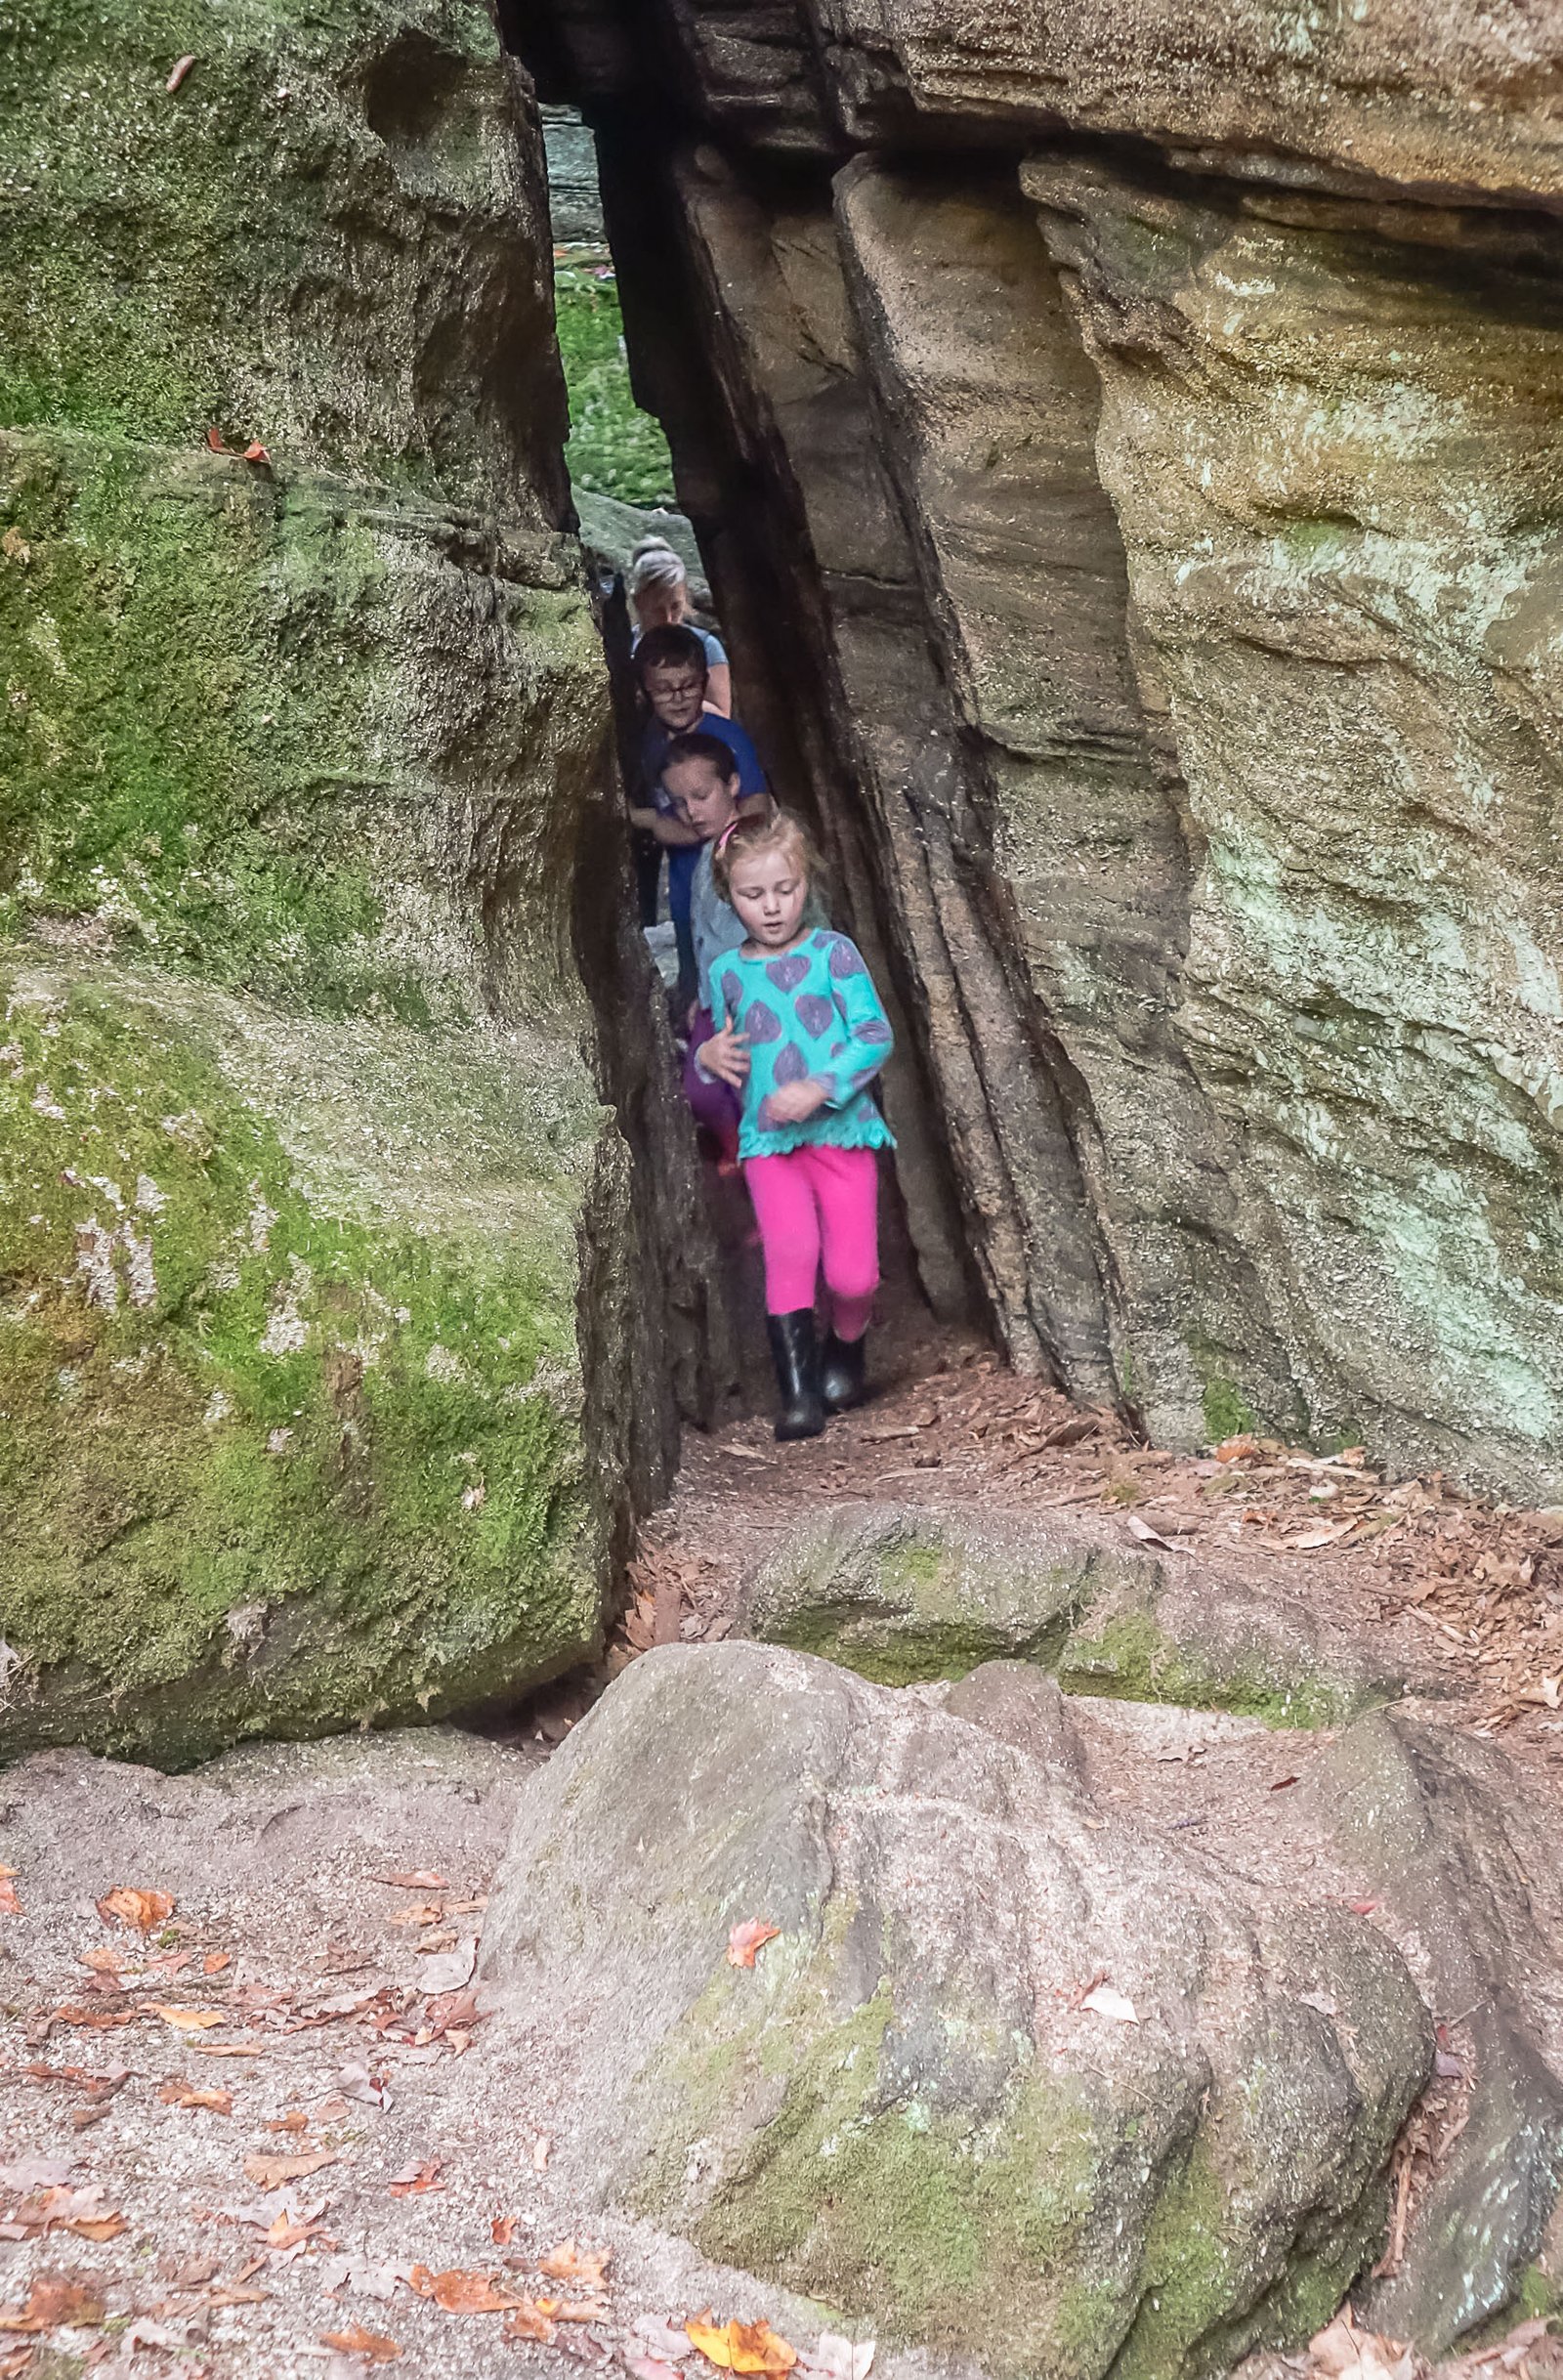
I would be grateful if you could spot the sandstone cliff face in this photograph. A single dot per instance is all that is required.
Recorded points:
(308, 1208)
(1156, 545)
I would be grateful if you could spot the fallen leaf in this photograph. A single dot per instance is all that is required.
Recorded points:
(66, 2298)
(568, 2263)
(1362, 1908)
(747, 1937)
(363, 2278)
(530, 2320)
(371, 2345)
(1342, 2351)
(187, 2095)
(667, 2341)
(741, 2346)
(1145, 1535)
(842, 2358)
(459, 2292)
(271, 2172)
(412, 2180)
(421, 1913)
(9, 1906)
(1104, 2001)
(295, 2120)
(38, 2173)
(255, 452)
(415, 1880)
(228, 2049)
(651, 2367)
(181, 66)
(215, 1961)
(130, 1905)
(1279, 1784)
(502, 2230)
(187, 2019)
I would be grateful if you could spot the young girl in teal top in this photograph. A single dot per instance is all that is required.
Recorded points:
(802, 1035)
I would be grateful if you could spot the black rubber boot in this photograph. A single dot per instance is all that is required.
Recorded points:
(843, 1369)
(798, 1374)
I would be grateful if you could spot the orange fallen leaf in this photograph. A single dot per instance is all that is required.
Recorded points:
(749, 1935)
(530, 2322)
(459, 2292)
(287, 2230)
(9, 1906)
(567, 2263)
(741, 2346)
(130, 1905)
(214, 440)
(61, 2298)
(187, 2019)
(255, 452)
(371, 2345)
(104, 1959)
(271, 2172)
(94, 2227)
(502, 2230)
(181, 66)
(186, 2095)
(412, 2180)
(421, 1913)
(215, 1961)
(98, 2019)
(295, 2120)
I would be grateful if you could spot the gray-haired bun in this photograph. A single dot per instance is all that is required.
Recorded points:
(655, 564)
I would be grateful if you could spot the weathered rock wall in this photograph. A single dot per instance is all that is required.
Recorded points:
(1159, 551)
(309, 1209)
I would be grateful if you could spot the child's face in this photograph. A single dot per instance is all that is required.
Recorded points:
(676, 692)
(768, 889)
(707, 800)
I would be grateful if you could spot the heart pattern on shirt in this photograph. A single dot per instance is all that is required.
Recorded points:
(815, 1012)
(787, 974)
(760, 1023)
(845, 958)
(791, 1065)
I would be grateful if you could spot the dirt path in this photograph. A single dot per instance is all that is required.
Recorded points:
(305, 1998)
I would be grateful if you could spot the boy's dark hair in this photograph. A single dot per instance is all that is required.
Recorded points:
(699, 745)
(671, 648)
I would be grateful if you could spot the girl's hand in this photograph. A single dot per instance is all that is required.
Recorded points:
(796, 1102)
(726, 1057)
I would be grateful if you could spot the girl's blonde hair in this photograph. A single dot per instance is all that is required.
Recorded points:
(777, 830)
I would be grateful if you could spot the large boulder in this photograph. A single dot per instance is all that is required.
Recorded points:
(911, 2106)
(920, 1592)
(314, 1413)
(1446, 1833)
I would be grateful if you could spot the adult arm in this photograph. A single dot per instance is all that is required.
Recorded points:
(670, 830)
(719, 689)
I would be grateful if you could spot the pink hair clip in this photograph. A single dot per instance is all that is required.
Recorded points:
(727, 834)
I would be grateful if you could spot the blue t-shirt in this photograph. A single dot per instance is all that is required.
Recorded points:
(656, 738)
(811, 1012)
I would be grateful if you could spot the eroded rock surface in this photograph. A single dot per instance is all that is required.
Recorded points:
(920, 1592)
(904, 2109)
(1144, 561)
(312, 1413)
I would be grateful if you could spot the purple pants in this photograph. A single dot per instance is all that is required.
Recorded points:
(713, 1104)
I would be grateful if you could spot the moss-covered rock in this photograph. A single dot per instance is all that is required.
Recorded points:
(904, 1592)
(904, 2110)
(299, 1149)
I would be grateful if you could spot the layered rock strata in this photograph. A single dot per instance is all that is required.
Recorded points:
(309, 1212)
(1143, 556)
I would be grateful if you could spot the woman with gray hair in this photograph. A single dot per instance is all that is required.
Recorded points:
(659, 588)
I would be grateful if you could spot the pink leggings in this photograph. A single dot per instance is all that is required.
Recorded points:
(815, 1201)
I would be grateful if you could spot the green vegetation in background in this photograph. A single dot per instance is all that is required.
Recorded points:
(615, 448)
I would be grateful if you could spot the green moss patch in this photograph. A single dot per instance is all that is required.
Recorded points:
(615, 448)
(276, 1458)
